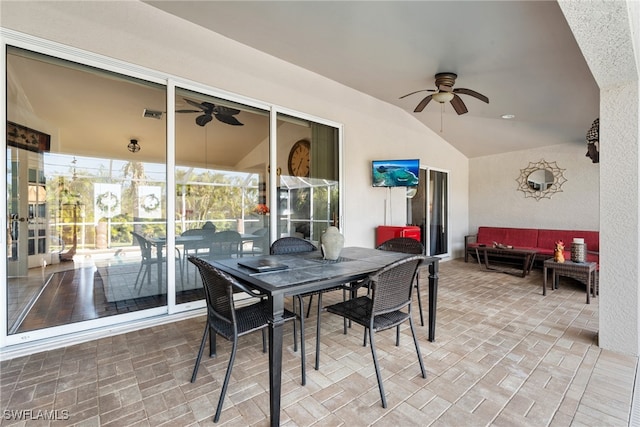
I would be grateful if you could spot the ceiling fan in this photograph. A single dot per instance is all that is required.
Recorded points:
(209, 111)
(445, 92)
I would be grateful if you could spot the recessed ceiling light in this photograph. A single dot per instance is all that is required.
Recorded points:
(508, 116)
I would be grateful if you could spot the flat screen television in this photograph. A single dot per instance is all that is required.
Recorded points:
(395, 173)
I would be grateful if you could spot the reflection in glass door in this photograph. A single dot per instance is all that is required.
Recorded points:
(221, 200)
(308, 178)
(76, 198)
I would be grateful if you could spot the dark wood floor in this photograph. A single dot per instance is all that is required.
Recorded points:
(77, 295)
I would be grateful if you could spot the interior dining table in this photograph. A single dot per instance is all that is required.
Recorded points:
(309, 272)
(161, 242)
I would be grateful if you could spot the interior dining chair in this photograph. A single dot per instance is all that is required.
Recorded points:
(388, 305)
(196, 247)
(292, 245)
(225, 244)
(407, 246)
(229, 321)
(149, 259)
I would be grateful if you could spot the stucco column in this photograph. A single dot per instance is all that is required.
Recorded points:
(604, 31)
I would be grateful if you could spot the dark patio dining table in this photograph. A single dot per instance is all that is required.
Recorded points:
(310, 272)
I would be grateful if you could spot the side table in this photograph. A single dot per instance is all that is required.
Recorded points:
(584, 272)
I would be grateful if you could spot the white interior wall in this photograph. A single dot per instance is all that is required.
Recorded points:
(494, 198)
(137, 33)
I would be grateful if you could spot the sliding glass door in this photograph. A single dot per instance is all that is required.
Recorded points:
(78, 191)
(113, 180)
(428, 208)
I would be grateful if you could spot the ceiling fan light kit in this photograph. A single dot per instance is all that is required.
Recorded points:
(446, 93)
(442, 97)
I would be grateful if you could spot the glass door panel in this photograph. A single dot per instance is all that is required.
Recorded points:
(427, 207)
(438, 212)
(222, 209)
(77, 192)
(308, 177)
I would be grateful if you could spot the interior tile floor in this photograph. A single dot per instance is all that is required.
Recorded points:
(504, 355)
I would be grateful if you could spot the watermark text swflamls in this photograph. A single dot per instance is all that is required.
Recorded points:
(35, 414)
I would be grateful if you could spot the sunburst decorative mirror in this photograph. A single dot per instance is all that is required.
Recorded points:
(541, 180)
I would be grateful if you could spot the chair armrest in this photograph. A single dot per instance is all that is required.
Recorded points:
(241, 287)
(471, 238)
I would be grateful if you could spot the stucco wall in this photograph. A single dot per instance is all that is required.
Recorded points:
(494, 198)
(142, 35)
(608, 34)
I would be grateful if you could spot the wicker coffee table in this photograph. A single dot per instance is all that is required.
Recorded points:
(524, 256)
(584, 272)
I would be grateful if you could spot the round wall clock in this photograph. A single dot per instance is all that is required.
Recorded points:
(299, 157)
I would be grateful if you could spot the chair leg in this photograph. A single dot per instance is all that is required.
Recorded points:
(135, 284)
(344, 319)
(264, 340)
(212, 342)
(419, 300)
(309, 306)
(227, 376)
(147, 274)
(415, 341)
(199, 358)
(375, 363)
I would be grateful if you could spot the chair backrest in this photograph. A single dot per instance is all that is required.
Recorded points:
(145, 245)
(225, 243)
(205, 233)
(218, 291)
(393, 284)
(403, 244)
(209, 226)
(291, 245)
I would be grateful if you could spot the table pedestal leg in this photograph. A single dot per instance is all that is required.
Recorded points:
(433, 298)
(275, 358)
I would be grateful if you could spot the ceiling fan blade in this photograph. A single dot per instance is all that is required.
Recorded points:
(458, 105)
(188, 111)
(226, 111)
(473, 93)
(417, 91)
(230, 120)
(203, 119)
(423, 104)
(194, 103)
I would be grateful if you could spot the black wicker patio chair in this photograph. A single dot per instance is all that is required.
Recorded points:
(407, 246)
(224, 319)
(293, 245)
(387, 306)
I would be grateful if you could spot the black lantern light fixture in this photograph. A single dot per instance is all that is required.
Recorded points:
(133, 146)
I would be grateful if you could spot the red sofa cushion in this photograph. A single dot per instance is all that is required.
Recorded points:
(516, 237)
(548, 238)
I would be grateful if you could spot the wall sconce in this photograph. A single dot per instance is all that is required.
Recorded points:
(133, 146)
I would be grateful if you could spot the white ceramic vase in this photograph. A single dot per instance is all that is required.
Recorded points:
(331, 243)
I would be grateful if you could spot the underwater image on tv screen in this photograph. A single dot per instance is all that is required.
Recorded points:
(395, 173)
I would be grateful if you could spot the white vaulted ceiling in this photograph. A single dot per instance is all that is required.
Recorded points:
(521, 54)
